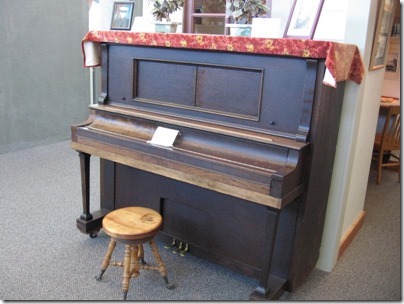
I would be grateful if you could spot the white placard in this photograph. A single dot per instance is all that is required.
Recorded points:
(329, 79)
(164, 137)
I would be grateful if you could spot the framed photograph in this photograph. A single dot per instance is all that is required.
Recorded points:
(122, 15)
(392, 71)
(303, 19)
(385, 18)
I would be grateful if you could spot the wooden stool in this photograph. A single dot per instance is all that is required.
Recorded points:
(132, 226)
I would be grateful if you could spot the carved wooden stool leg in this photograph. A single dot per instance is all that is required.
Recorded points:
(107, 258)
(141, 255)
(122, 227)
(126, 271)
(134, 262)
(161, 267)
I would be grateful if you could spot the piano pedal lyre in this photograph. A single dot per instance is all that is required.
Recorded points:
(172, 244)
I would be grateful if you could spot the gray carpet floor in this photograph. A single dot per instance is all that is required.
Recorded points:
(45, 257)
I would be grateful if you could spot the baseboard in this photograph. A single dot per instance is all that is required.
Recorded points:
(350, 234)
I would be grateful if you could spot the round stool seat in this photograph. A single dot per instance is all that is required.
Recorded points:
(132, 223)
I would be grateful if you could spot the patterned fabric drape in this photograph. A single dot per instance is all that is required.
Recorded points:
(343, 61)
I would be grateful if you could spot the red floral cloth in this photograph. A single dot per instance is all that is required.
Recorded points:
(343, 61)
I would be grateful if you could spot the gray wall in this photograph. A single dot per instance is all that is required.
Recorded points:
(43, 86)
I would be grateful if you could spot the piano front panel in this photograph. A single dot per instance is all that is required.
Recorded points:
(228, 89)
(201, 87)
(223, 226)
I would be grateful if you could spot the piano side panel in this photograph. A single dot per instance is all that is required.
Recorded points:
(323, 138)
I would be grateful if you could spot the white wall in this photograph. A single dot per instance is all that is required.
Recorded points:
(358, 125)
(280, 9)
(333, 13)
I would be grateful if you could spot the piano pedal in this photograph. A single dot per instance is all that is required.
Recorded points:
(178, 249)
(172, 244)
(185, 250)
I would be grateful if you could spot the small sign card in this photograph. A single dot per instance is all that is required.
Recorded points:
(164, 137)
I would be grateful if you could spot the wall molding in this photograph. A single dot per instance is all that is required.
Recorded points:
(350, 234)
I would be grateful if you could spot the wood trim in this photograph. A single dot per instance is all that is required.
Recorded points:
(202, 178)
(204, 125)
(350, 234)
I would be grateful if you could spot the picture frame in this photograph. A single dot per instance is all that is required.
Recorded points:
(303, 19)
(122, 15)
(381, 38)
(393, 63)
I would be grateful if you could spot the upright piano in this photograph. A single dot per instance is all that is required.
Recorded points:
(245, 178)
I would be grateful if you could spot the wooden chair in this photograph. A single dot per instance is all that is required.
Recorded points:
(387, 142)
(133, 226)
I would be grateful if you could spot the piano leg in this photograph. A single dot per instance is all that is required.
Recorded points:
(271, 287)
(88, 223)
(85, 185)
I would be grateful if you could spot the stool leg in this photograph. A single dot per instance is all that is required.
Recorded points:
(107, 258)
(161, 267)
(141, 255)
(126, 270)
(134, 262)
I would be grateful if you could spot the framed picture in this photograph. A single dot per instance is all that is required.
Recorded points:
(303, 19)
(385, 18)
(393, 60)
(122, 15)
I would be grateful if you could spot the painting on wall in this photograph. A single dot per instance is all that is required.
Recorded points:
(382, 34)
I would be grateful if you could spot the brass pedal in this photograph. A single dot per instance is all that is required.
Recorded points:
(179, 249)
(185, 250)
(172, 244)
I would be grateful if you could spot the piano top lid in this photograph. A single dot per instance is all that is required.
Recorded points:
(343, 61)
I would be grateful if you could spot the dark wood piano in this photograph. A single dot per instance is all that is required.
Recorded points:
(245, 181)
